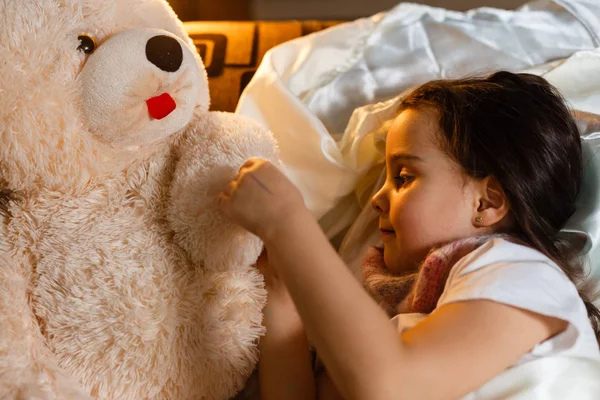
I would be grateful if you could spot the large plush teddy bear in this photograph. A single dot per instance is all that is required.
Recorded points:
(119, 276)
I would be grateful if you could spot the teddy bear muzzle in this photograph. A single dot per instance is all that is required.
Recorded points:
(139, 86)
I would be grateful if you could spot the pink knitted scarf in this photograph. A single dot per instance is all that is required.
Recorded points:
(416, 292)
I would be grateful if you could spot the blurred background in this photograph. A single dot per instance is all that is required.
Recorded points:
(245, 10)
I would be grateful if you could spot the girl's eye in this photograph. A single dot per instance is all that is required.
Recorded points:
(402, 180)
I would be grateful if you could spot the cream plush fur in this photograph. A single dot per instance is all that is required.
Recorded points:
(119, 277)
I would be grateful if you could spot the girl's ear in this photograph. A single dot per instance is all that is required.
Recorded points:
(492, 205)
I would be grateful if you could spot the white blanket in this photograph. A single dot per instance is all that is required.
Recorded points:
(550, 378)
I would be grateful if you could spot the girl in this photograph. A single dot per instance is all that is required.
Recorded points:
(481, 176)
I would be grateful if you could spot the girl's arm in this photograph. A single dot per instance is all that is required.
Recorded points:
(326, 390)
(455, 350)
(284, 366)
(353, 336)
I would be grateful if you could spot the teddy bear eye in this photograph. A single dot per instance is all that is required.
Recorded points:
(87, 44)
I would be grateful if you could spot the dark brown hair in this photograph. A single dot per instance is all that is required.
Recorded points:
(517, 129)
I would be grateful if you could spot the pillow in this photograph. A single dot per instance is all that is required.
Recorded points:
(585, 222)
(578, 80)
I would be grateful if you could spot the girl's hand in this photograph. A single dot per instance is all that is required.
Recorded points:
(261, 198)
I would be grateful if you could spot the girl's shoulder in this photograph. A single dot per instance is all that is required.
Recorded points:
(516, 275)
(501, 250)
(502, 268)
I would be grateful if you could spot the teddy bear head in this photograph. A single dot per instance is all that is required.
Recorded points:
(87, 85)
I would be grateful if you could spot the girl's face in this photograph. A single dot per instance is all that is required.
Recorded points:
(426, 199)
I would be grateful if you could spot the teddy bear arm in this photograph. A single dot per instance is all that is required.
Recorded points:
(210, 153)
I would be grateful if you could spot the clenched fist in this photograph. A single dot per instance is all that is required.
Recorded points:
(261, 198)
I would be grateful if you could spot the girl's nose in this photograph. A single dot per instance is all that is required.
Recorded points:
(379, 202)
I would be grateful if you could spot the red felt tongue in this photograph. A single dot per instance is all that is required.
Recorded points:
(161, 106)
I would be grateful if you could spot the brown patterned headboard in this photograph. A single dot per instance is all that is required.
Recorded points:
(233, 50)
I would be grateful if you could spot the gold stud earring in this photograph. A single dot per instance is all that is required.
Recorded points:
(478, 219)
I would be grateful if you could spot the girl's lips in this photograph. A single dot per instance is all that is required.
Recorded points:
(385, 233)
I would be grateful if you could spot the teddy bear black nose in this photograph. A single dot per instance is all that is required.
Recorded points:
(164, 52)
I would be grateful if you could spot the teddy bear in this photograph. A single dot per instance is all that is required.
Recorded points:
(120, 278)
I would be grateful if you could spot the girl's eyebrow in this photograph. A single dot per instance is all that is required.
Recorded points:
(405, 157)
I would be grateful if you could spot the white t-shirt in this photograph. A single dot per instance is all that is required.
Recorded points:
(522, 277)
